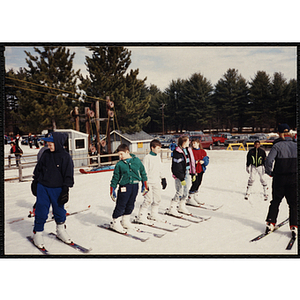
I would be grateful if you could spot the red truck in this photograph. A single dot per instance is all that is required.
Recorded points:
(219, 138)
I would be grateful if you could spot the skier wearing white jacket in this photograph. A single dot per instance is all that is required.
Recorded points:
(152, 164)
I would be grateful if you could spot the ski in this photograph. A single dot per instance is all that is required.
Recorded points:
(43, 250)
(16, 220)
(291, 243)
(206, 206)
(189, 218)
(107, 226)
(170, 229)
(72, 244)
(157, 235)
(49, 220)
(71, 214)
(259, 237)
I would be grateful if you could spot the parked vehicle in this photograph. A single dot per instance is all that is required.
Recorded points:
(226, 134)
(256, 137)
(166, 143)
(219, 138)
(206, 140)
(237, 139)
(271, 140)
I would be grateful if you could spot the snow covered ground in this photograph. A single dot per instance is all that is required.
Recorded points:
(227, 232)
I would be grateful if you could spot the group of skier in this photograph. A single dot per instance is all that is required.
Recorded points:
(54, 175)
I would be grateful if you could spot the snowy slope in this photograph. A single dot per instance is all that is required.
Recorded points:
(227, 232)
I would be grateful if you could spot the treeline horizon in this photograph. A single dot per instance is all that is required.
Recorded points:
(42, 95)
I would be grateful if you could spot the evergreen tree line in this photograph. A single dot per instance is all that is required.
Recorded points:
(42, 95)
(195, 104)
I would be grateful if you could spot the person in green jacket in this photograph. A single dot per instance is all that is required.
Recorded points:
(128, 172)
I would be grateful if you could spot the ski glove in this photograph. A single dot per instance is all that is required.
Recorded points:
(113, 195)
(64, 195)
(193, 178)
(183, 183)
(164, 183)
(145, 188)
(34, 187)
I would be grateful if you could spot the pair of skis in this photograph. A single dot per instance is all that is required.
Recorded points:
(72, 244)
(291, 241)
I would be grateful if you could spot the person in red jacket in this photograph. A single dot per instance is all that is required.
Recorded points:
(201, 160)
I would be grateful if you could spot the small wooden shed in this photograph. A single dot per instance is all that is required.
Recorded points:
(77, 145)
(137, 142)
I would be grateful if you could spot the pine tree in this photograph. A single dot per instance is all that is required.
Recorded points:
(260, 100)
(47, 92)
(280, 95)
(107, 77)
(174, 100)
(230, 100)
(196, 97)
(155, 109)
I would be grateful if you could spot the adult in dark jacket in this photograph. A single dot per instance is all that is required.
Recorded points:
(255, 164)
(284, 172)
(53, 176)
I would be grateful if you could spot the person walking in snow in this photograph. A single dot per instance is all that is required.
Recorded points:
(172, 147)
(53, 176)
(201, 161)
(128, 172)
(255, 164)
(17, 151)
(156, 181)
(183, 165)
(283, 155)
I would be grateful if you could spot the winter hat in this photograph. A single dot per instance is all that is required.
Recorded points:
(49, 138)
(283, 128)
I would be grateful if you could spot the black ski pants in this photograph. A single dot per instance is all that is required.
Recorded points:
(195, 185)
(283, 186)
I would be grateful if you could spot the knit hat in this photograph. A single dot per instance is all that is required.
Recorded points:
(283, 128)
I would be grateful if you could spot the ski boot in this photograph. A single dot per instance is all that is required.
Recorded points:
(294, 230)
(173, 209)
(126, 222)
(142, 217)
(192, 200)
(62, 233)
(38, 239)
(270, 227)
(117, 226)
(182, 208)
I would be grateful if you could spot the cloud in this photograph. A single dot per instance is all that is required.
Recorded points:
(162, 64)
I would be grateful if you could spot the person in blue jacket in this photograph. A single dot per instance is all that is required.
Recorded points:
(53, 176)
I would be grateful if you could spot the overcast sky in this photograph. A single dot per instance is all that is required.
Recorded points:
(161, 65)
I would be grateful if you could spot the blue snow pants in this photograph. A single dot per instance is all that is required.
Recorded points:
(125, 200)
(45, 197)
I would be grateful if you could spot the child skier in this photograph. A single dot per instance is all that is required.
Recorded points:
(201, 160)
(53, 176)
(183, 165)
(152, 164)
(128, 172)
(255, 164)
